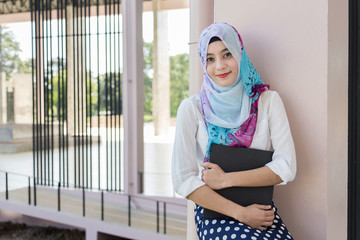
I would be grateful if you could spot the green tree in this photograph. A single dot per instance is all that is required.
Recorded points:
(179, 84)
(10, 54)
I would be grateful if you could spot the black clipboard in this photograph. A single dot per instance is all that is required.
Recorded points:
(233, 159)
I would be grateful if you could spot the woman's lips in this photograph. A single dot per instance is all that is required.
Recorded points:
(223, 75)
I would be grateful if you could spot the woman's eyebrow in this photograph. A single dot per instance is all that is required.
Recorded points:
(224, 50)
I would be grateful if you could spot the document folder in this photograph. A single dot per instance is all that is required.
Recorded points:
(233, 159)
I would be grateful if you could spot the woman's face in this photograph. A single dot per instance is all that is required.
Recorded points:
(220, 64)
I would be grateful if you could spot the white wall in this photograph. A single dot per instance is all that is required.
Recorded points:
(300, 49)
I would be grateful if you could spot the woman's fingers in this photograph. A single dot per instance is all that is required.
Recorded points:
(208, 165)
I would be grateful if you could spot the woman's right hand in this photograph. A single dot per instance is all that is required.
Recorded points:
(257, 216)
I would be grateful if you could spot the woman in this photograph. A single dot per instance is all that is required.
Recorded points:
(233, 108)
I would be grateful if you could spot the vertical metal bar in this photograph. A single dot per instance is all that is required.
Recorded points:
(63, 95)
(164, 217)
(58, 196)
(29, 191)
(52, 97)
(87, 70)
(61, 90)
(46, 95)
(102, 205)
(90, 95)
(115, 98)
(111, 97)
(43, 103)
(119, 94)
(6, 186)
(33, 89)
(46, 88)
(74, 89)
(353, 122)
(79, 74)
(66, 99)
(49, 87)
(99, 86)
(83, 200)
(129, 211)
(106, 98)
(157, 217)
(81, 85)
(34, 192)
(37, 83)
(41, 76)
(59, 93)
(120, 111)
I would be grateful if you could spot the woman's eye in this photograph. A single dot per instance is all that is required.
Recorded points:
(210, 59)
(227, 54)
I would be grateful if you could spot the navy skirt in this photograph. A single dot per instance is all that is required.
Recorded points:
(228, 228)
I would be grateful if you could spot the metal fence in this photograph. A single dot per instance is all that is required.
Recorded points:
(115, 207)
(76, 48)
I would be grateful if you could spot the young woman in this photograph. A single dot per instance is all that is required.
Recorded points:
(233, 108)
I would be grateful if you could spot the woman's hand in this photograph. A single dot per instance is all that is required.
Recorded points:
(214, 176)
(257, 216)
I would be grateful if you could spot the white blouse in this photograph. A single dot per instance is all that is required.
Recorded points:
(272, 132)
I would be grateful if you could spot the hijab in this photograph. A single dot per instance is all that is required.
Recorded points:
(230, 112)
(227, 106)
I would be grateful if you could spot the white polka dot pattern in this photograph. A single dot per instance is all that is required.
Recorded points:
(226, 229)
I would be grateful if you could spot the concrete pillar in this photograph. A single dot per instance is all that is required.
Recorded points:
(70, 70)
(133, 95)
(76, 92)
(161, 66)
(3, 108)
(91, 234)
(23, 111)
(201, 16)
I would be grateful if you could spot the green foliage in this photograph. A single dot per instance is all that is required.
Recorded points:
(10, 54)
(98, 99)
(179, 84)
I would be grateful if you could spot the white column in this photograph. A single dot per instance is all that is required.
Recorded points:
(201, 16)
(161, 66)
(23, 111)
(133, 94)
(70, 70)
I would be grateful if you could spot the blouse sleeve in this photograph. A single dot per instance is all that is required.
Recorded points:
(185, 168)
(284, 158)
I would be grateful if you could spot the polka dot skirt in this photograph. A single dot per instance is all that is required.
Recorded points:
(228, 228)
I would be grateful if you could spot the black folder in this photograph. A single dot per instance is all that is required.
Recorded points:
(233, 159)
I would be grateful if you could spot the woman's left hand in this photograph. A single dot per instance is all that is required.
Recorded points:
(213, 176)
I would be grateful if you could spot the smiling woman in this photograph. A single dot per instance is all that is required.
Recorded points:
(236, 109)
(221, 65)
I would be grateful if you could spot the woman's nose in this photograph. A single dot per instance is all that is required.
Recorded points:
(220, 64)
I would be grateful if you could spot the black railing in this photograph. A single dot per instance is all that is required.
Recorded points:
(76, 87)
(82, 199)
